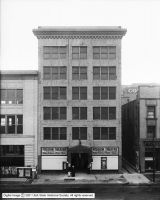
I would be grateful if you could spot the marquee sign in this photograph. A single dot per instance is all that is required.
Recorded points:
(110, 150)
(47, 151)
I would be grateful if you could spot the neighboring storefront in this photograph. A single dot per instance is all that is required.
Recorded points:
(12, 156)
(152, 155)
(105, 158)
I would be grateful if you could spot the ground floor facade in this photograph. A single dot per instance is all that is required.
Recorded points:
(83, 158)
(149, 158)
(16, 154)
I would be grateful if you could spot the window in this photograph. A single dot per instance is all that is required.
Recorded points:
(54, 93)
(3, 124)
(104, 113)
(104, 73)
(55, 73)
(79, 93)
(54, 113)
(11, 96)
(104, 93)
(79, 133)
(151, 130)
(79, 113)
(79, 73)
(55, 133)
(79, 52)
(151, 112)
(11, 124)
(104, 52)
(54, 52)
(104, 133)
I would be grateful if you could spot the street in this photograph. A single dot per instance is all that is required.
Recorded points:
(102, 191)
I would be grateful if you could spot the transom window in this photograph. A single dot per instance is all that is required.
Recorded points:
(79, 133)
(54, 113)
(79, 52)
(104, 113)
(11, 124)
(11, 96)
(54, 52)
(79, 93)
(55, 133)
(104, 93)
(55, 93)
(79, 113)
(104, 73)
(104, 52)
(55, 73)
(79, 73)
(104, 133)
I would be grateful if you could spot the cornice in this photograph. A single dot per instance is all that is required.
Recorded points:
(79, 34)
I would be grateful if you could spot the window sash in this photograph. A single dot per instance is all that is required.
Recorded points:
(75, 133)
(96, 73)
(96, 113)
(96, 133)
(75, 113)
(46, 73)
(47, 113)
(96, 93)
(83, 93)
(104, 93)
(112, 92)
(83, 133)
(112, 113)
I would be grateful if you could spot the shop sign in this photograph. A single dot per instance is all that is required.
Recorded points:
(46, 151)
(111, 150)
(150, 144)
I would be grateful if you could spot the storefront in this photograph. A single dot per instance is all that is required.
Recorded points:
(12, 156)
(152, 155)
(105, 158)
(53, 158)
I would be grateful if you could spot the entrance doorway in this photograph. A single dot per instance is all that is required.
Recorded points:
(80, 161)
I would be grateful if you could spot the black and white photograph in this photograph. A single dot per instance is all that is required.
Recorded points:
(80, 99)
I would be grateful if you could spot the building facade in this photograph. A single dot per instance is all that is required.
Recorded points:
(18, 135)
(79, 101)
(141, 129)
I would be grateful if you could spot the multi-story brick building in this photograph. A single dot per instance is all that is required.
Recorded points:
(18, 134)
(141, 129)
(79, 115)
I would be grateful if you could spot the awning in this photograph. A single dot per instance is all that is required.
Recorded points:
(79, 149)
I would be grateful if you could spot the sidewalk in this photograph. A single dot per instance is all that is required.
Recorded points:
(83, 178)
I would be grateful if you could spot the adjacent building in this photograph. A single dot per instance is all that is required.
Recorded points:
(141, 129)
(18, 116)
(79, 97)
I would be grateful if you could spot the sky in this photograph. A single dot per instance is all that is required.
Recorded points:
(140, 46)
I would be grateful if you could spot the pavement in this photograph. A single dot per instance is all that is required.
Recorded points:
(83, 178)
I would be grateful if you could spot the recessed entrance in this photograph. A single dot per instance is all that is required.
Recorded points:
(80, 161)
(80, 156)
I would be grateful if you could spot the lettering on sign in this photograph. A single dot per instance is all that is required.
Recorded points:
(105, 150)
(150, 143)
(54, 151)
(132, 90)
